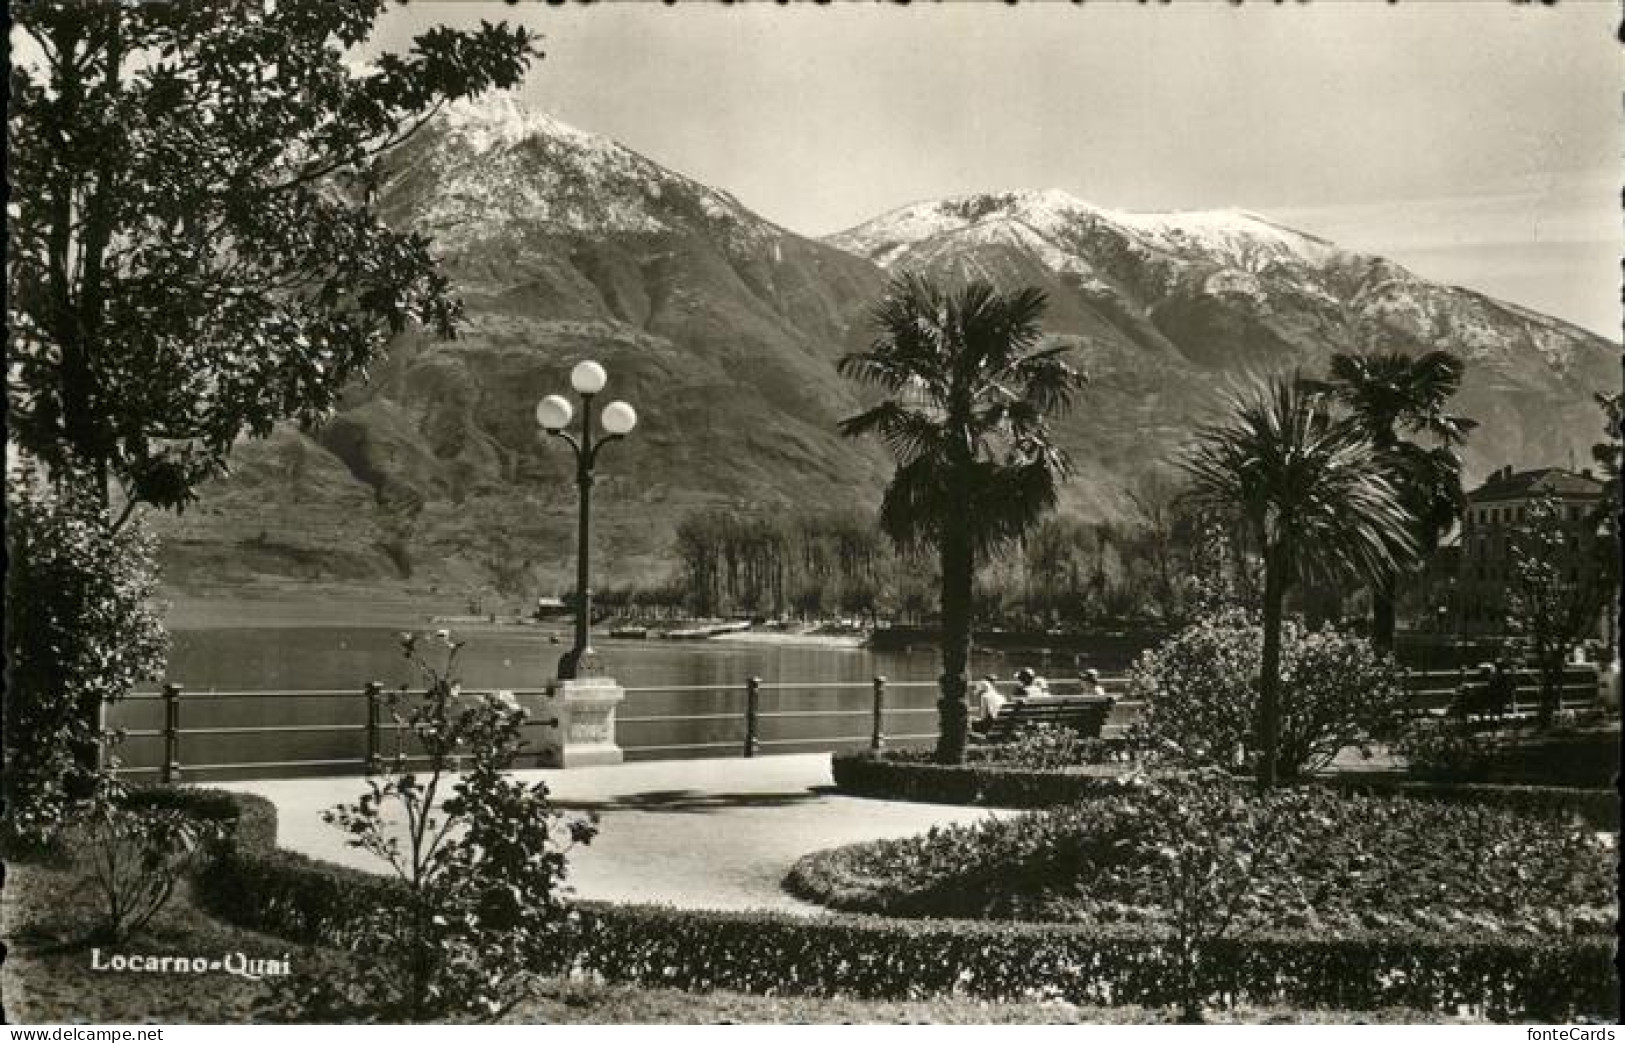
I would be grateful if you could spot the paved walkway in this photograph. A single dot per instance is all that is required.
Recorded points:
(699, 834)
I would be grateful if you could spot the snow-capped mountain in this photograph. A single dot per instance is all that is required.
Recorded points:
(493, 164)
(719, 326)
(723, 329)
(1226, 290)
(1048, 221)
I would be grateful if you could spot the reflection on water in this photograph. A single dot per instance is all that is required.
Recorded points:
(344, 659)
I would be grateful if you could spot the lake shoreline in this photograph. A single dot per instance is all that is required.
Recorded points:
(321, 609)
(772, 637)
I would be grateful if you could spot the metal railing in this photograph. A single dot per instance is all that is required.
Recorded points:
(1431, 692)
(177, 737)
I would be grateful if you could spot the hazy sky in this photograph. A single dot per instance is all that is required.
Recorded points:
(1478, 143)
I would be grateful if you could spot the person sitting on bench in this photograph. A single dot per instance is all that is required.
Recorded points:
(991, 702)
(1028, 686)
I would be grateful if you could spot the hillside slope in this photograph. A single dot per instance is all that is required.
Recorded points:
(722, 328)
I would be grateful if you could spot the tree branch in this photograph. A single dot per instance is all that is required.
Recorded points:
(316, 174)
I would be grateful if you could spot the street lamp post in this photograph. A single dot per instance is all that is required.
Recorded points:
(554, 414)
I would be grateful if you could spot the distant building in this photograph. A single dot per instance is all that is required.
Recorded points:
(546, 607)
(1469, 580)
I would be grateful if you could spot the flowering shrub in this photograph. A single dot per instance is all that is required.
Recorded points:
(1449, 750)
(1200, 858)
(1201, 693)
(1047, 748)
(481, 856)
(1328, 861)
(81, 630)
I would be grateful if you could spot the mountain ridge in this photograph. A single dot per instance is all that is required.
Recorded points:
(723, 327)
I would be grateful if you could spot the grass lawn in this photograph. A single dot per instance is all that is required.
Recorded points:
(49, 915)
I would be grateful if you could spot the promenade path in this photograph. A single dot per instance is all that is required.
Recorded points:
(698, 834)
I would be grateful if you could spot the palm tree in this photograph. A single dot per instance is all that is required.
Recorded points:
(1386, 393)
(970, 390)
(1309, 491)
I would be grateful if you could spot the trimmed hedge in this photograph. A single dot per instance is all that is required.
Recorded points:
(904, 775)
(875, 958)
(1597, 807)
(263, 888)
(909, 775)
(249, 820)
(1578, 758)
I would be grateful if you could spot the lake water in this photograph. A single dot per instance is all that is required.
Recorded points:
(830, 687)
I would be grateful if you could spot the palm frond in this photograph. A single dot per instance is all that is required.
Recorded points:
(908, 433)
(966, 420)
(1307, 484)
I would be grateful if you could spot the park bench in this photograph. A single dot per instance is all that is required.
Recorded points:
(1085, 715)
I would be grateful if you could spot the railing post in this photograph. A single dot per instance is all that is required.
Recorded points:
(373, 691)
(753, 706)
(171, 771)
(877, 738)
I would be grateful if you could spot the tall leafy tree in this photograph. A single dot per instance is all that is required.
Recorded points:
(80, 628)
(192, 253)
(1555, 590)
(970, 390)
(1399, 402)
(1312, 494)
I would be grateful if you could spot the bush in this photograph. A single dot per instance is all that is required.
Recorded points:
(135, 856)
(1597, 808)
(1047, 748)
(1201, 693)
(1330, 860)
(481, 857)
(1502, 978)
(1457, 751)
(1446, 749)
(81, 630)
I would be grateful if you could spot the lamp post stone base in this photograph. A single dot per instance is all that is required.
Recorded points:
(585, 736)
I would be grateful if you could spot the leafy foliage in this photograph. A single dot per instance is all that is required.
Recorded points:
(136, 855)
(907, 774)
(1385, 393)
(1499, 976)
(1172, 852)
(81, 631)
(1465, 751)
(1045, 748)
(967, 422)
(192, 251)
(1555, 590)
(1198, 859)
(1450, 749)
(1309, 486)
(1201, 695)
(481, 857)
(1310, 492)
